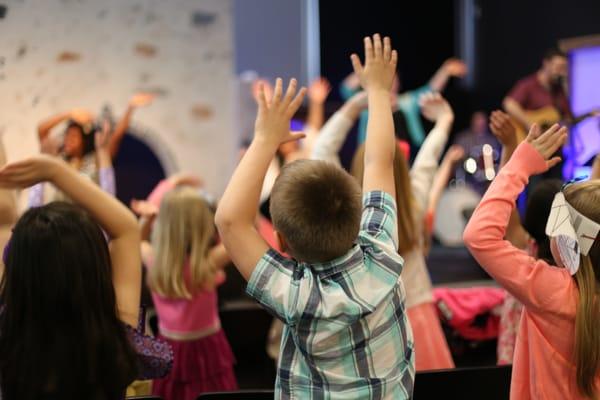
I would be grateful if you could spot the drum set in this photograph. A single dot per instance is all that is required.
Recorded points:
(464, 192)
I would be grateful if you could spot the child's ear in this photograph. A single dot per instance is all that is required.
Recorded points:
(281, 242)
(556, 253)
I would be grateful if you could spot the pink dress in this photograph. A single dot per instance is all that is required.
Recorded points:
(203, 359)
(543, 365)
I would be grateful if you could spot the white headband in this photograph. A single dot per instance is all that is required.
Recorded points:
(574, 232)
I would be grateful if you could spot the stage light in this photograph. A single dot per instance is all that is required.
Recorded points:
(470, 165)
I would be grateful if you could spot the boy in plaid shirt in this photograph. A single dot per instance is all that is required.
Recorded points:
(340, 296)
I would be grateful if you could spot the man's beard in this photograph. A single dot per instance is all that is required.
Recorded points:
(556, 83)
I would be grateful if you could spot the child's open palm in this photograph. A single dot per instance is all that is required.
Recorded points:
(434, 107)
(380, 64)
(547, 143)
(273, 118)
(502, 127)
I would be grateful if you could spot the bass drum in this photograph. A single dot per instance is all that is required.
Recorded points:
(453, 212)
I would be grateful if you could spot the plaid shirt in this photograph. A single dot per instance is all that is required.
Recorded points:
(346, 334)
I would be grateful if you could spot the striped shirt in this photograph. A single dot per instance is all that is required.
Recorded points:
(346, 334)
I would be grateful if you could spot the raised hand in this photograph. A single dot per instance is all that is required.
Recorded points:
(547, 143)
(141, 99)
(503, 128)
(143, 208)
(102, 136)
(267, 87)
(455, 67)
(28, 172)
(454, 154)
(273, 118)
(319, 90)
(434, 107)
(380, 64)
(81, 116)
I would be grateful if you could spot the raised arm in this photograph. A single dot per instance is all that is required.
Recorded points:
(376, 77)
(238, 207)
(138, 100)
(531, 281)
(111, 215)
(8, 201)
(106, 172)
(147, 212)
(334, 132)
(317, 94)
(454, 154)
(8, 208)
(79, 115)
(435, 109)
(452, 67)
(349, 86)
(502, 127)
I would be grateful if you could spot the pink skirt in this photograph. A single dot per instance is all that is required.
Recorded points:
(431, 348)
(199, 366)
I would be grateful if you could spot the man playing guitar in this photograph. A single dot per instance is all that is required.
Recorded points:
(541, 98)
(544, 88)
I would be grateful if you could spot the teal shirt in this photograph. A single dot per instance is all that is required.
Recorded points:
(408, 103)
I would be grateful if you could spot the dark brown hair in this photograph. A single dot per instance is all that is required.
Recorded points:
(316, 206)
(60, 333)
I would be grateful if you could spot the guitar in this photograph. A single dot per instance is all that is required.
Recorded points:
(546, 117)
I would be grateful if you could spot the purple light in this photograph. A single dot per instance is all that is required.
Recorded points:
(584, 74)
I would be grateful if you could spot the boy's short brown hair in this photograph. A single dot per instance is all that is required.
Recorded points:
(317, 207)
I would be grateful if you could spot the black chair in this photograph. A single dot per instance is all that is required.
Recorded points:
(490, 383)
(240, 395)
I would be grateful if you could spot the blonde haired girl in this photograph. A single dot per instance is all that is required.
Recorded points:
(185, 267)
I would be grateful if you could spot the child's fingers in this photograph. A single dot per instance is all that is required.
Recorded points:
(549, 134)
(293, 136)
(387, 48)
(377, 45)
(534, 133)
(278, 91)
(559, 140)
(495, 127)
(548, 145)
(261, 98)
(356, 65)
(394, 58)
(498, 117)
(289, 94)
(549, 139)
(553, 161)
(368, 49)
(296, 103)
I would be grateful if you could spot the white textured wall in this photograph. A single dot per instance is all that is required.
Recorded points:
(60, 54)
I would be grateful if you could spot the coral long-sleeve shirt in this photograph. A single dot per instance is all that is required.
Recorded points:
(543, 366)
